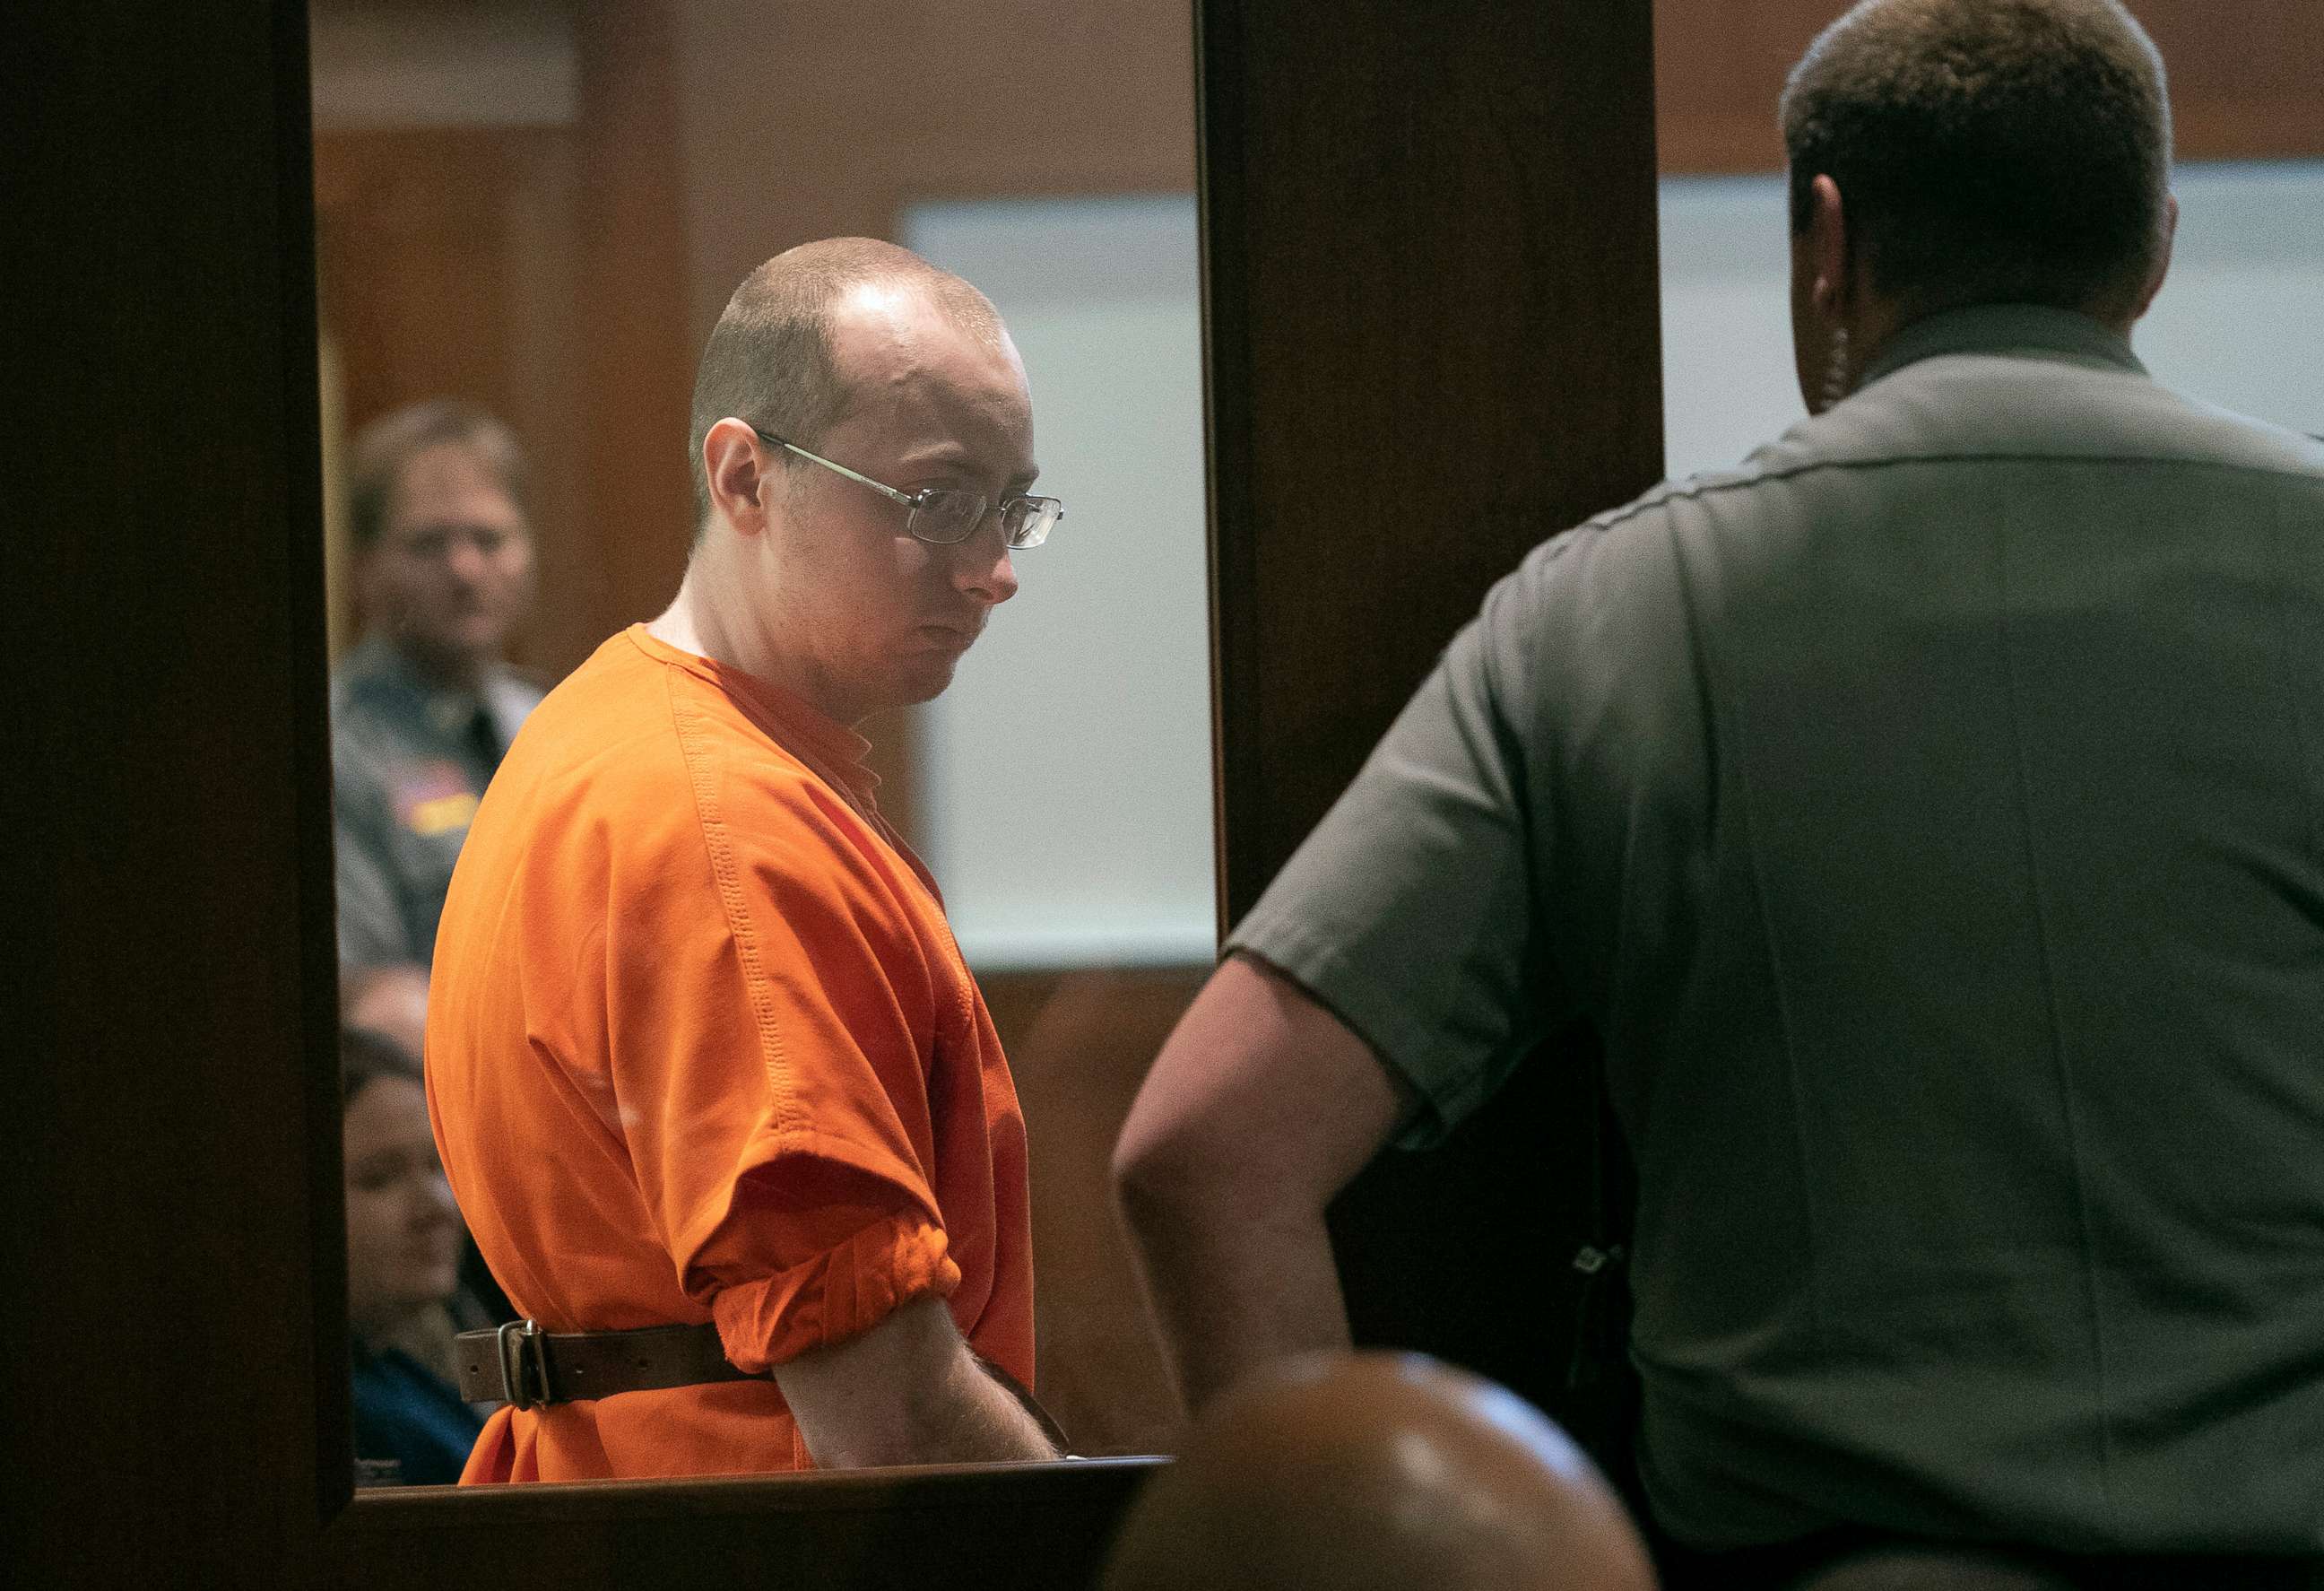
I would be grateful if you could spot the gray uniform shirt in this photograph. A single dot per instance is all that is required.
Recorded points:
(1931, 817)
(409, 760)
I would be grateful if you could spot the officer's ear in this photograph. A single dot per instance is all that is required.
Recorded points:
(2161, 255)
(1831, 259)
(736, 464)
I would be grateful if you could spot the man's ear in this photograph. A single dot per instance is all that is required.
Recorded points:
(1828, 250)
(735, 465)
(2162, 254)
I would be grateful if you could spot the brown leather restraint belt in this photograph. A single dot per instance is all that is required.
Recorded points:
(525, 1367)
(520, 1365)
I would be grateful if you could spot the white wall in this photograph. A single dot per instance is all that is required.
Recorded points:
(2240, 321)
(1065, 780)
(1063, 798)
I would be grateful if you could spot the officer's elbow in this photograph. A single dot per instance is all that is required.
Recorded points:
(1172, 1172)
(1139, 1174)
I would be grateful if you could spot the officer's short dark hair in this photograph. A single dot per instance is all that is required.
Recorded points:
(383, 447)
(1988, 151)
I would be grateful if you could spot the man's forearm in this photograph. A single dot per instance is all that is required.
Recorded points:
(907, 1391)
(1233, 1288)
(974, 1418)
(962, 1417)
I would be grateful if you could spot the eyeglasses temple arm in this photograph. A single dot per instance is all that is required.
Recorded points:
(903, 497)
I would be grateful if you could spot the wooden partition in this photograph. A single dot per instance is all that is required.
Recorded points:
(172, 1177)
(1433, 330)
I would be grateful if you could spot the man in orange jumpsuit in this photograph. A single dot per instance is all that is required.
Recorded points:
(719, 1098)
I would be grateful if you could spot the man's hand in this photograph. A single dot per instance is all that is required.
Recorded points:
(907, 1391)
(1261, 1106)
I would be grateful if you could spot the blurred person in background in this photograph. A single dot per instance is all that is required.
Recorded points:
(392, 1000)
(1377, 1472)
(403, 1250)
(424, 705)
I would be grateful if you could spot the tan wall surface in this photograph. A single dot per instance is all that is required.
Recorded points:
(826, 117)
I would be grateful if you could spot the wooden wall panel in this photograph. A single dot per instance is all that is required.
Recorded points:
(637, 359)
(172, 1177)
(1079, 1043)
(451, 262)
(2246, 76)
(826, 117)
(1024, 1527)
(541, 271)
(1433, 340)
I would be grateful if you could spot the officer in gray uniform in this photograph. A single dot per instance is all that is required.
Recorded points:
(423, 708)
(1929, 817)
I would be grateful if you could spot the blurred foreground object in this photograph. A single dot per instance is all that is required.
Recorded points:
(1354, 1471)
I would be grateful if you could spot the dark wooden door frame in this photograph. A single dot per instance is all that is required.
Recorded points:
(1434, 338)
(1433, 331)
(175, 1408)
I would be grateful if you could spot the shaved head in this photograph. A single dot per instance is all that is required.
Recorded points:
(1391, 1472)
(771, 359)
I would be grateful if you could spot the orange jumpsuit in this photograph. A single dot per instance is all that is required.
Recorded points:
(701, 1047)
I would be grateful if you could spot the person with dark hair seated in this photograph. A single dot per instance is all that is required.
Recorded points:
(403, 1256)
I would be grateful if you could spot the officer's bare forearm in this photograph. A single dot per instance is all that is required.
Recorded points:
(1231, 1289)
(1260, 1107)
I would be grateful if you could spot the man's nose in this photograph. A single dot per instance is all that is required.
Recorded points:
(982, 568)
(466, 559)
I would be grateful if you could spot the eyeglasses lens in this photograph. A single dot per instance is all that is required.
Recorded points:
(1025, 521)
(946, 516)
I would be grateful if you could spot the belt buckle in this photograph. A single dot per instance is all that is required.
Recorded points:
(521, 1344)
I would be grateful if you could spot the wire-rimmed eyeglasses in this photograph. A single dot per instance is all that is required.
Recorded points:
(945, 515)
